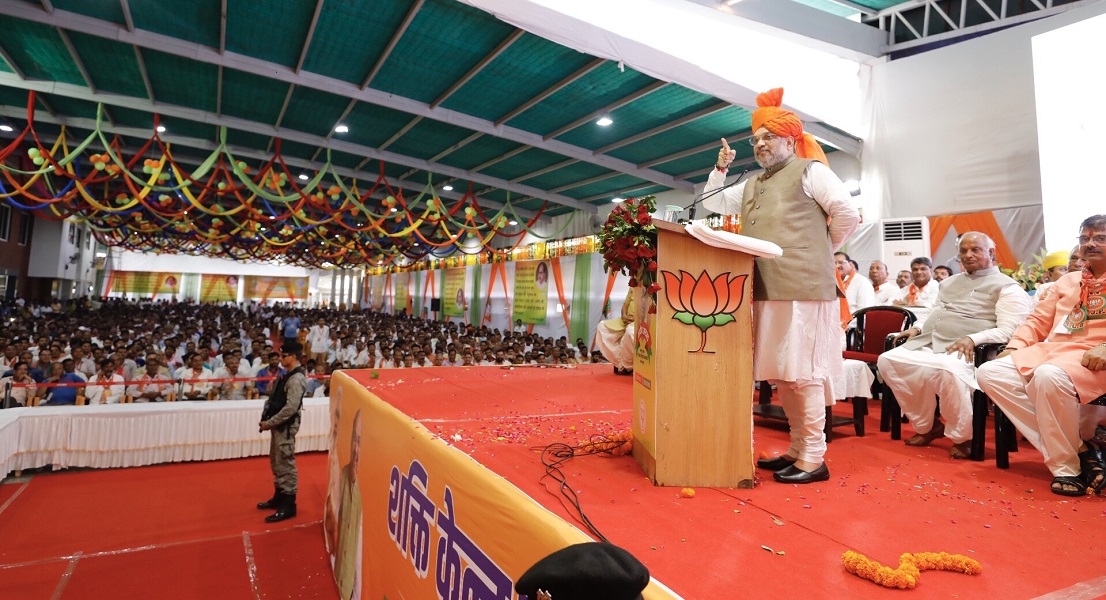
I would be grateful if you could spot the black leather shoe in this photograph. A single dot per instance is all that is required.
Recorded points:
(794, 474)
(774, 464)
(271, 503)
(287, 509)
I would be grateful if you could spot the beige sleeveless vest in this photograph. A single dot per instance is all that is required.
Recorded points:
(776, 209)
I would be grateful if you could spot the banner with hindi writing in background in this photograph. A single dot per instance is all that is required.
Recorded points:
(402, 291)
(282, 288)
(145, 282)
(426, 520)
(453, 293)
(218, 288)
(531, 291)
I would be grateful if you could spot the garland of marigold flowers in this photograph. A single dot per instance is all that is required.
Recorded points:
(906, 576)
(616, 445)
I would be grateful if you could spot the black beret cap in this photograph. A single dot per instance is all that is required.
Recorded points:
(592, 570)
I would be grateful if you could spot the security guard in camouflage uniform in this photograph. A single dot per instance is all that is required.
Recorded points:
(281, 416)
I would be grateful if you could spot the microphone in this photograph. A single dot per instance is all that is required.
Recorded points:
(691, 207)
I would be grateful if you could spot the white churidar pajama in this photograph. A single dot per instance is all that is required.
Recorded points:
(919, 376)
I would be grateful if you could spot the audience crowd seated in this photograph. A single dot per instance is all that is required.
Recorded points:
(142, 350)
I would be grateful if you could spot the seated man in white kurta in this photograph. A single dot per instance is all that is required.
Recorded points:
(978, 306)
(615, 338)
(921, 294)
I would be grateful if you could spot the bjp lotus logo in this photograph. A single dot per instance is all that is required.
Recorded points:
(704, 302)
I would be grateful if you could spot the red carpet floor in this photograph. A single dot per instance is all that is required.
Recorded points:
(181, 531)
(883, 499)
(190, 530)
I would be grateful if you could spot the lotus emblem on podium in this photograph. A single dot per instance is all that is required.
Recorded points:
(702, 301)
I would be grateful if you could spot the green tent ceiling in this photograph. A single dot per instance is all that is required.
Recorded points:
(438, 90)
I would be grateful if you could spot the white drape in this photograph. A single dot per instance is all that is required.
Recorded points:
(131, 435)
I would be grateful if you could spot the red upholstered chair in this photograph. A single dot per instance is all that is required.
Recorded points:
(873, 325)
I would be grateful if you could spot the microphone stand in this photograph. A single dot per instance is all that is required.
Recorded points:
(691, 207)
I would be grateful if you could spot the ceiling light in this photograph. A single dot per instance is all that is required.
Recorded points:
(616, 199)
(448, 188)
(303, 177)
(512, 222)
(394, 209)
(604, 121)
(341, 129)
(730, 2)
(161, 129)
(6, 127)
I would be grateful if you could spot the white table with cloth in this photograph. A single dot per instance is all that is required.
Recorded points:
(132, 435)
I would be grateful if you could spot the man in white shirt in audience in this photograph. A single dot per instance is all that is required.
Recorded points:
(363, 358)
(920, 296)
(318, 340)
(154, 382)
(858, 290)
(885, 289)
(233, 390)
(105, 387)
(195, 377)
(903, 279)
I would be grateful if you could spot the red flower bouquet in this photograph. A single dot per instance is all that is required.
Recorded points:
(628, 242)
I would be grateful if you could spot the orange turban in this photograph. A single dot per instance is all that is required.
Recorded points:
(785, 123)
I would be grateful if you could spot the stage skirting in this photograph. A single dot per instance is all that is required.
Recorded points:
(434, 522)
(131, 435)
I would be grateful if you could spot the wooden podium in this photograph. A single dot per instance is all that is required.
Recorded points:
(693, 389)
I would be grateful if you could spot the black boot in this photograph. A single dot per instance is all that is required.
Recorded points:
(271, 503)
(287, 509)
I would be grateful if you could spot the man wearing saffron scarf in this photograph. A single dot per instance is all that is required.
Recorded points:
(798, 203)
(980, 305)
(920, 296)
(859, 292)
(1054, 364)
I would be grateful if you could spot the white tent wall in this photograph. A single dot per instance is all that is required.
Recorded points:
(1070, 125)
(183, 263)
(954, 129)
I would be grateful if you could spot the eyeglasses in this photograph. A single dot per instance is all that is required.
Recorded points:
(767, 139)
(1099, 240)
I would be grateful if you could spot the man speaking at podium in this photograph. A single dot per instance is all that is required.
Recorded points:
(798, 203)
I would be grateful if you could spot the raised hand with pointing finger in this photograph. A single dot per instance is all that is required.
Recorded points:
(725, 155)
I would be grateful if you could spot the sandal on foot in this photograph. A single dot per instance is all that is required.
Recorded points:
(1061, 484)
(1091, 469)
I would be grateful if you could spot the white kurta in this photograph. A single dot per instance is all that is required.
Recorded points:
(924, 300)
(797, 343)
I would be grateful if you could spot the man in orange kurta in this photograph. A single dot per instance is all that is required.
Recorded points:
(1054, 363)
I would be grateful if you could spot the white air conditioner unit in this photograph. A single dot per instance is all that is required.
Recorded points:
(903, 240)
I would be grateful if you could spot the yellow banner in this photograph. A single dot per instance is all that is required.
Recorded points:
(145, 282)
(644, 423)
(402, 292)
(291, 288)
(453, 293)
(531, 292)
(218, 288)
(426, 520)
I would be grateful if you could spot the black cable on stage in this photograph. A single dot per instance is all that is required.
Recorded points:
(557, 454)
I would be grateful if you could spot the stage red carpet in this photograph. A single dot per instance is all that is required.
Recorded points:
(181, 531)
(882, 500)
(190, 530)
